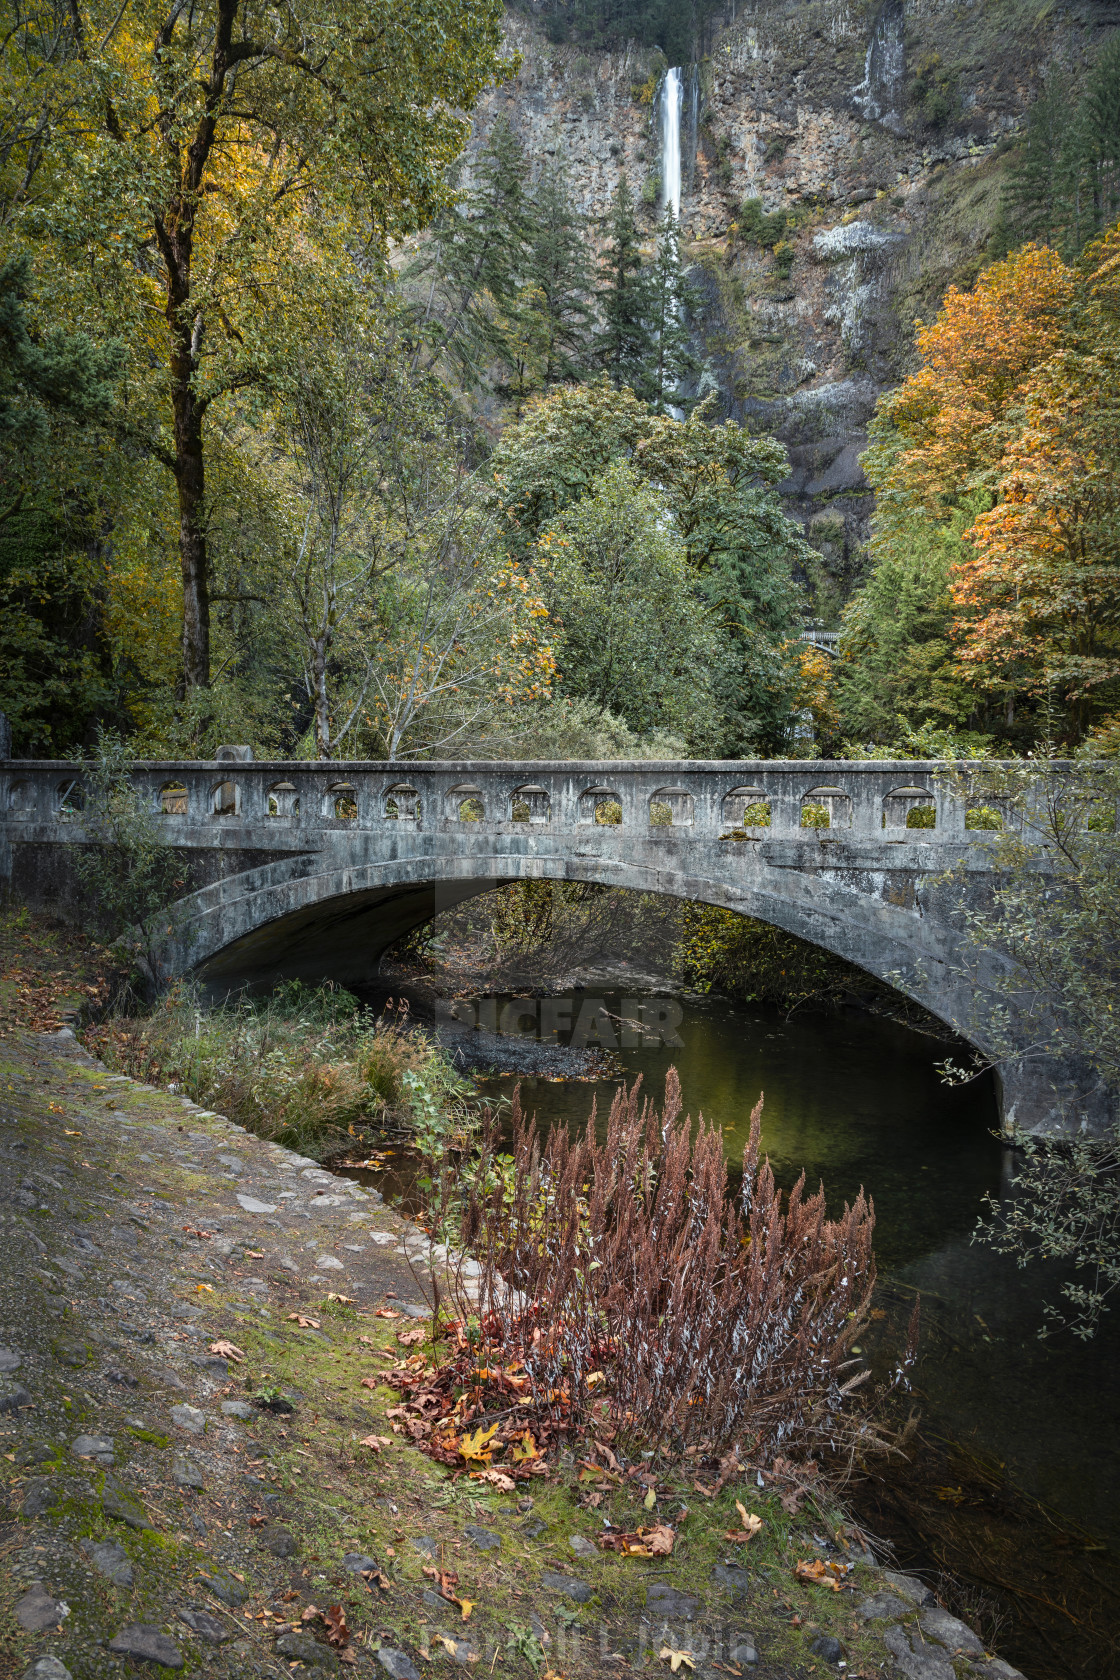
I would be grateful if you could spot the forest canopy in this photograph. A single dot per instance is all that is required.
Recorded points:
(247, 485)
(319, 429)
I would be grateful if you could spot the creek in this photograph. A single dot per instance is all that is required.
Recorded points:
(1013, 1484)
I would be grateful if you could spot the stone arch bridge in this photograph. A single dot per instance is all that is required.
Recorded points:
(311, 870)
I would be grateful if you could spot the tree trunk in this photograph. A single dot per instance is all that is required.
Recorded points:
(320, 656)
(191, 481)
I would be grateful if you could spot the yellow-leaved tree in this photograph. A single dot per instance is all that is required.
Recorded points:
(185, 174)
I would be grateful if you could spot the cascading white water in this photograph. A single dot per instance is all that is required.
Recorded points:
(672, 98)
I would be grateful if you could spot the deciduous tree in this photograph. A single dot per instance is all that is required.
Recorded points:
(200, 154)
(635, 637)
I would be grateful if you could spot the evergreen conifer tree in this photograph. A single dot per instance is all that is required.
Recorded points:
(62, 372)
(1065, 188)
(557, 271)
(1096, 139)
(469, 274)
(626, 340)
(1038, 191)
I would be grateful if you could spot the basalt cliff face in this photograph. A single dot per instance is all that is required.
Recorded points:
(880, 133)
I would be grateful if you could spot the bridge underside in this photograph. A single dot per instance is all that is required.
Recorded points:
(339, 938)
(335, 925)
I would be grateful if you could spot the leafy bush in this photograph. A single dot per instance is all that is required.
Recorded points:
(983, 816)
(634, 1290)
(1054, 920)
(758, 228)
(785, 253)
(128, 871)
(921, 816)
(304, 1066)
(933, 90)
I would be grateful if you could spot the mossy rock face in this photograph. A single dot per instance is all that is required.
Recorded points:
(48, 1496)
(59, 1496)
(117, 1502)
(38, 1452)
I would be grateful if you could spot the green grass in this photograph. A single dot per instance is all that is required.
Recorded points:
(305, 1067)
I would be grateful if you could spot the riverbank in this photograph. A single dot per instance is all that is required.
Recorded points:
(199, 1457)
(164, 1274)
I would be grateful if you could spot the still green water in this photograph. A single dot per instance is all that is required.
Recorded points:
(857, 1101)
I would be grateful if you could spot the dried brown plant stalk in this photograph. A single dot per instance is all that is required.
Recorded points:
(640, 1294)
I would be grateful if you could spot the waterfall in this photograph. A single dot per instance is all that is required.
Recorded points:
(672, 98)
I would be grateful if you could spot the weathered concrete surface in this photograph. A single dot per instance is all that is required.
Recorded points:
(311, 871)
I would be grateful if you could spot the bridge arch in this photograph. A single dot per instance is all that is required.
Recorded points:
(289, 920)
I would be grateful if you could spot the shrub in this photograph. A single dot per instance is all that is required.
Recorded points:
(934, 91)
(758, 228)
(785, 253)
(305, 1066)
(128, 872)
(754, 961)
(636, 1292)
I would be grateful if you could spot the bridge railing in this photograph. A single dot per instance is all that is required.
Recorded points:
(738, 802)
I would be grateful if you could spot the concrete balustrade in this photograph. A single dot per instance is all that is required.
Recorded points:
(707, 799)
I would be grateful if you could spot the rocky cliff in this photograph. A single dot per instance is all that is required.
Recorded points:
(874, 144)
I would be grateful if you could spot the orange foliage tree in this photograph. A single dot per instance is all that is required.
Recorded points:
(1013, 418)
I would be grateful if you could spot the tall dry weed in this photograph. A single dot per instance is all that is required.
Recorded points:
(641, 1295)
